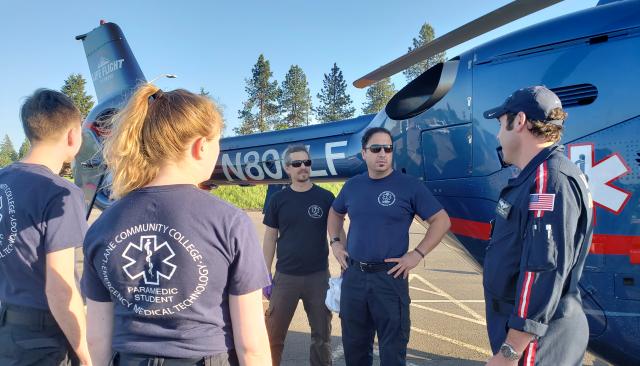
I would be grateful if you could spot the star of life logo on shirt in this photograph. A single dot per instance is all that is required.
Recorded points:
(140, 266)
(315, 211)
(8, 221)
(386, 198)
(148, 245)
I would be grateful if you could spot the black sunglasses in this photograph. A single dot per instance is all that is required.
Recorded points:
(298, 163)
(375, 148)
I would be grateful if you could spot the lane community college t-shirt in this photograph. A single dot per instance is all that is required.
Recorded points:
(40, 213)
(168, 257)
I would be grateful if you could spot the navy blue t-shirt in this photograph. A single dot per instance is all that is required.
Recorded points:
(168, 257)
(40, 213)
(301, 220)
(380, 213)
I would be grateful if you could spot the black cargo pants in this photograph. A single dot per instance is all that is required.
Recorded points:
(31, 336)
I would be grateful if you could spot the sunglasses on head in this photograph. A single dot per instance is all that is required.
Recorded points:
(298, 163)
(375, 148)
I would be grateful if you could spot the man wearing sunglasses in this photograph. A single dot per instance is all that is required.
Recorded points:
(296, 226)
(381, 204)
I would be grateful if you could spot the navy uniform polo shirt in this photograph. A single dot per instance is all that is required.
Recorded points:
(380, 213)
(540, 242)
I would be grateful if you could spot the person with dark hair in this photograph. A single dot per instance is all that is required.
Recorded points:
(540, 239)
(42, 319)
(296, 226)
(172, 274)
(381, 204)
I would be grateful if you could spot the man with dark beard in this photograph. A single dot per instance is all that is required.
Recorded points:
(296, 225)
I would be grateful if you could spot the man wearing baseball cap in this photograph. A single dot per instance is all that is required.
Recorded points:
(540, 240)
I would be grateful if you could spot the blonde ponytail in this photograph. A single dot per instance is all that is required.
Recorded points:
(148, 132)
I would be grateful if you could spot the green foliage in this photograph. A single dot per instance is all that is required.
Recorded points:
(335, 103)
(74, 88)
(426, 35)
(295, 99)
(260, 110)
(252, 198)
(24, 148)
(378, 95)
(7, 152)
(246, 198)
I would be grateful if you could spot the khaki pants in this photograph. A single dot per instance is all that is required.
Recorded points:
(287, 290)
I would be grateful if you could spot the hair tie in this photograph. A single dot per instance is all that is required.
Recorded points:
(156, 95)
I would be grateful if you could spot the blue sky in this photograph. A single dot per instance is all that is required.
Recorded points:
(214, 44)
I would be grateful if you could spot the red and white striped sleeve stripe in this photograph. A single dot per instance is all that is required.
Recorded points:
(529, 357)
(525, 294)
(542, 175)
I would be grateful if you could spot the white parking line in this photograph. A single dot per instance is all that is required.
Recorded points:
(447, 301)
(454, 341)
(451, 298)
(338, 353)
(451, 315)
(423, 290)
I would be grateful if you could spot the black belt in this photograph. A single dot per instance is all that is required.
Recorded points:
(26, 316)
(130, 359)
(371, 267)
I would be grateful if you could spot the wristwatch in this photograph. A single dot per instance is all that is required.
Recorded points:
(333, 240)
(507, 351)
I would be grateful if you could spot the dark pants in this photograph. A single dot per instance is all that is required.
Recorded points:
(31, 336)
(373, 303)
(287, 290)
(127, 359)
(564, 343)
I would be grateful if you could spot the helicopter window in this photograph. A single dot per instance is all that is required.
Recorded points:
(576, 95)
(423, 92)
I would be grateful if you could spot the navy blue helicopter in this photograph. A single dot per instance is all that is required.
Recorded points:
(591, 59)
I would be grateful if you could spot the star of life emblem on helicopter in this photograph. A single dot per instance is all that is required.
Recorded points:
(600, 176)
(149, 260)
(386, 198)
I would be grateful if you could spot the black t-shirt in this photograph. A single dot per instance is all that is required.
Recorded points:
(301, 219)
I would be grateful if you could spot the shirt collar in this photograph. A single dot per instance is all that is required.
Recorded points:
(534, 163)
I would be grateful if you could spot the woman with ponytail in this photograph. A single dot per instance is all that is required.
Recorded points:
(172, 274)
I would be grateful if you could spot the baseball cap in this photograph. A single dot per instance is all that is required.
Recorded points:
(536, 102)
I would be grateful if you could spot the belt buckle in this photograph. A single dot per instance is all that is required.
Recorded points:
(362, 266)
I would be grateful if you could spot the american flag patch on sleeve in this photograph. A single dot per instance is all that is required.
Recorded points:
(541, 201)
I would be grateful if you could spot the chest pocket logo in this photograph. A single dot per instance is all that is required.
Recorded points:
(315, 211)
(386, 198)
(503, 208)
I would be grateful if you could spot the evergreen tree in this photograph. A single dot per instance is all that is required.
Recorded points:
(260, 110)
(426, 35)
(335, 103)
(7, 152)
(295, 99)
(24, 148)
(203, 92)
(74, 88)
(378, 95)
